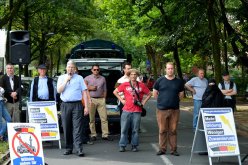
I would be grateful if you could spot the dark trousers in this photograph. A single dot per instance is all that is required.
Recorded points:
(230, 103)
(86, 129)
(72, 117)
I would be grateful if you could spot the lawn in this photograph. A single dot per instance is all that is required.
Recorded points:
(4, 146)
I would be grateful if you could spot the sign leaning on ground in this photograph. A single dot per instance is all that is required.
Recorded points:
(25, 144)
(45, 113)
(216, 134)
(220, 132)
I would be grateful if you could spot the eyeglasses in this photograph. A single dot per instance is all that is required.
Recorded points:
(95, 69)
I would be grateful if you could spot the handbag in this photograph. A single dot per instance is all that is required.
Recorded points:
(143, 113)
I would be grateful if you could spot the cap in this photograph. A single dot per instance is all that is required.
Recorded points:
(225, 74)
(42, 66)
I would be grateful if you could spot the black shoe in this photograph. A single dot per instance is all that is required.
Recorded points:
(160, 153)
(134, 149)
(122, 149)
(107, 138)
(80, 153)
(203, 153)
(93, 138)
(175, 153)
(67, 152)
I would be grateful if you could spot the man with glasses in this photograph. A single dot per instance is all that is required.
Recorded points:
(98, 91)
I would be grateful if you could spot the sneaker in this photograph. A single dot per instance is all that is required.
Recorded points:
(175, 153)
(161, 153)
(122, 149)
(134, 149)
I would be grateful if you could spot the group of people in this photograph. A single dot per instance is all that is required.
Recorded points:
(207, 94)
(82, 97)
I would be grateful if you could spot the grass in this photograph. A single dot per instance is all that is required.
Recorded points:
(4, 146)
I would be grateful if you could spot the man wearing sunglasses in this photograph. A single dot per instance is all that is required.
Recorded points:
(98, 91)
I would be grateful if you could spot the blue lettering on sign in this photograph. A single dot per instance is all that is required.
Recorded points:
(213, 125)
(38, 115)
(41, 104)
(217, 111)
(221, 138)
(44, 126)
(28, 160)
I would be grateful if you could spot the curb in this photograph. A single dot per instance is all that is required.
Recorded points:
(5, 158)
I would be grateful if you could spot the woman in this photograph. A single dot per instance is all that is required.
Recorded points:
(212, 96)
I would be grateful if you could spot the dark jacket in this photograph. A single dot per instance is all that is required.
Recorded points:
(5, 83)
(212, 97)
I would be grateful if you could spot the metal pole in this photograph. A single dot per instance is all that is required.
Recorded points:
(20, 88)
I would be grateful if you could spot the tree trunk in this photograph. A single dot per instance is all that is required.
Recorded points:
(152, 55)
(177, 61)
(58, 62)
(215, 39)
(26, 27)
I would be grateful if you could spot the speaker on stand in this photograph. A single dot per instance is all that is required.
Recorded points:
(19, 48)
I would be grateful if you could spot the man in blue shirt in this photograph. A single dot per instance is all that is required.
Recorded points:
(72, 88)
(42, 87)
(197, 85)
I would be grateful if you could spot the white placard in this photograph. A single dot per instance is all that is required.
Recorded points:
(45, 113)
(220, 132)
(3, 38)
(25, 144)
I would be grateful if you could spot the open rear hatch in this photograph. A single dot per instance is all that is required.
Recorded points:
(111, 70)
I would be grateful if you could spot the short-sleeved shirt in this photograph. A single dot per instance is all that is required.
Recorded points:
(199, 85)
(73, 89)
(130, 96)
(227, 86)
(168, 92)
(98, 81)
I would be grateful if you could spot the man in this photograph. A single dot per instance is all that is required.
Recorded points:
(10, 83)
(72, 88)
(229, 89)
(133, 103)
(98, 92)
(168, 90)
(197, 85)
(42, 87)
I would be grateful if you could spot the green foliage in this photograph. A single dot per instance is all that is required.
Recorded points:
(3, 147)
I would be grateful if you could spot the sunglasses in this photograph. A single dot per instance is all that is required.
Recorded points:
(95, 69)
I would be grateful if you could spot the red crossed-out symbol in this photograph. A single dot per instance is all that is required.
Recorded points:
(24, 144)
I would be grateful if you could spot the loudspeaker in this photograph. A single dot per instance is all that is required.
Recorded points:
(19, 47)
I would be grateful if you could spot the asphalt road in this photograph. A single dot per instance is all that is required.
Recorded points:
(103, 152)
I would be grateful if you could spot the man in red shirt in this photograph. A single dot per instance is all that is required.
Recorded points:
(133, 102)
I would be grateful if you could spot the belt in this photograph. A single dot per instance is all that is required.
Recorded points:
(97, 97)
(78, 101)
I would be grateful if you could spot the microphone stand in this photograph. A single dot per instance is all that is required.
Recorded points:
(20, 91)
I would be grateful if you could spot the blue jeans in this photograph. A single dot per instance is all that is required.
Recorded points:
(130, 119)
(3, 114)
(197, 106)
